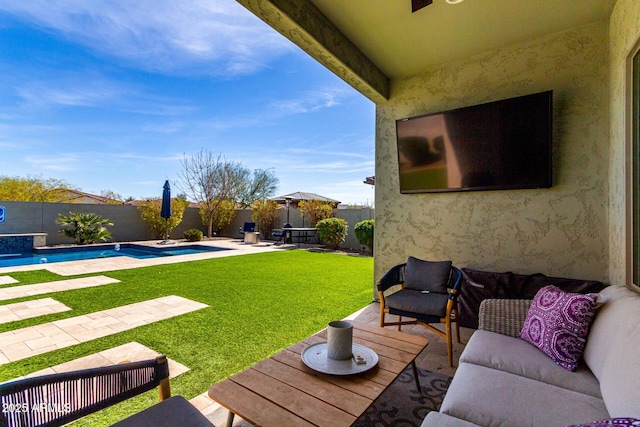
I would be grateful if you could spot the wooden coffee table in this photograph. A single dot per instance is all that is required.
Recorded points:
(283, 391)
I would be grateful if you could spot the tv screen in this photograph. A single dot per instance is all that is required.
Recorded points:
(495, 146)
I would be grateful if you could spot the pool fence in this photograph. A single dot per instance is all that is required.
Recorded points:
(40, 217)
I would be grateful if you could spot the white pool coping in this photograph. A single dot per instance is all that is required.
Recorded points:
(98, 265)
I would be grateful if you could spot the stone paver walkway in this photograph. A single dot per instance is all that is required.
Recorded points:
(7, 280)
(33, 340)
(29, 309)
(130, 352)
(58, 286)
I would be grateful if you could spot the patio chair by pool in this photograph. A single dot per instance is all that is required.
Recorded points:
(282, 235)
(58, 399)
(428, 293)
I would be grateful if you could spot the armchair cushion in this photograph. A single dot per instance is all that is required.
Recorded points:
(558, 323)
(412, 301)
(432, 276)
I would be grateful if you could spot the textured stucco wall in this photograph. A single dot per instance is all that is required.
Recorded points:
(559, 231)
(625, 36)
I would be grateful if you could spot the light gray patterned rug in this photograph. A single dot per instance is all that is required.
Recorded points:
(401, 405)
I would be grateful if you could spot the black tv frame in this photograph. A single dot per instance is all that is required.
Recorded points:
(542, 123)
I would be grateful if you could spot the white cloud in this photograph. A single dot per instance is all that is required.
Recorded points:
(145, 158)
(169, 127)
(59, 163)
(88, 89)
(338, 166)
(7, 145)
(196, 37)
(307, 102)
(67, 93)
(350, 192)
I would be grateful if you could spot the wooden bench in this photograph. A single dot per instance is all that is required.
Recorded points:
(58, 399)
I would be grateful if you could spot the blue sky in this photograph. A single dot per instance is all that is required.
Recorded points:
(110, 95)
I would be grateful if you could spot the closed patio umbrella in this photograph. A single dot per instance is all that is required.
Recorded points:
(165, 212)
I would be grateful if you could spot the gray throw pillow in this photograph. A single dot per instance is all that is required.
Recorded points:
(432, 276)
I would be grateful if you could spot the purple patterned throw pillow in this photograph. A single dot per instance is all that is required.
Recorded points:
(558, 323)
(612, 422)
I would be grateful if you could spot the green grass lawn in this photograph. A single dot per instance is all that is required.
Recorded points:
(258, 305)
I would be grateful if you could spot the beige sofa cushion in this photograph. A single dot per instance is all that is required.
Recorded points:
(612, 350)
(518, 357)
(438, 419)
(493, 398)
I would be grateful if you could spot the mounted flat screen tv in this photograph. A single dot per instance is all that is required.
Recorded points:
(501, 145)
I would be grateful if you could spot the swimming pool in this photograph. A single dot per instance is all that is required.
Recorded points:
(49, 255)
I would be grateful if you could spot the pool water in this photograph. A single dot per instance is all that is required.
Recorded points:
(49, 255)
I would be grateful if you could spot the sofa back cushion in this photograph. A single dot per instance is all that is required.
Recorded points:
(479, 285)
(612, 350)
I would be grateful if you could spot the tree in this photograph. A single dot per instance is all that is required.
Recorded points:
(315, 210)
(84, 227)
(265, 213)
(221, 217)
(112, 198)
(150, 213)
(210, 180)
(34, 189)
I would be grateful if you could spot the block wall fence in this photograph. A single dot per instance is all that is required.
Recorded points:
(36, 217)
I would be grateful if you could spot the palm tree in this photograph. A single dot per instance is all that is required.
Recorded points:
(84, 227)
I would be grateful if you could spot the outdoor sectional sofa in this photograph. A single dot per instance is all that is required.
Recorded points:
(503, 380)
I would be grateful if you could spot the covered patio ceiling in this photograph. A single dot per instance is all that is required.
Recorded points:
(368, 43)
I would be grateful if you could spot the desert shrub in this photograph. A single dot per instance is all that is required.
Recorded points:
(332, 231)
(84, 227)
(150, 209)
(364, 232)
(193, 235)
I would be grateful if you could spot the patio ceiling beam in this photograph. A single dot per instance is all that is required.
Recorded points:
(303, 24)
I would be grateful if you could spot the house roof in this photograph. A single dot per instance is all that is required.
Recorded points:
(299, 195)
(76, 195)
(370, 42)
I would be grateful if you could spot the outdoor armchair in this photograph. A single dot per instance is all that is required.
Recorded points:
(425, 292)
(58, 399)
(282, 235)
